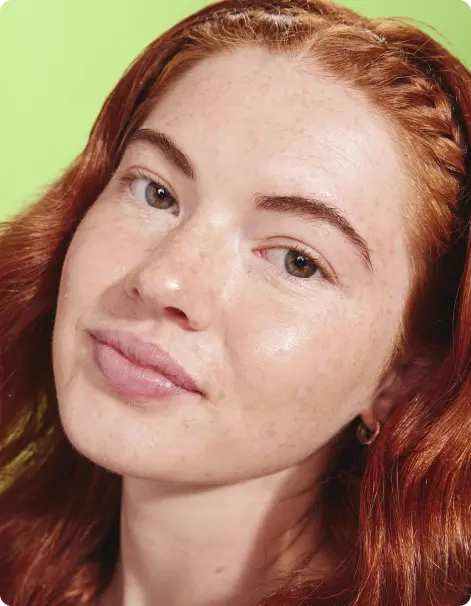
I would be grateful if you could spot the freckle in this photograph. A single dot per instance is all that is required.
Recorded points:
(220, 569)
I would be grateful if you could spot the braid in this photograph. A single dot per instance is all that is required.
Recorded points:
(427, 77)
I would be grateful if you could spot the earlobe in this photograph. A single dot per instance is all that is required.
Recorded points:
(400, 382)
(382, 401)
(378, 411)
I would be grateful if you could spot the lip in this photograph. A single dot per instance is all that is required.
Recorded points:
(147, 355)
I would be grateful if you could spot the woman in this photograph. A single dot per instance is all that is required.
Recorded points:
(235, 363)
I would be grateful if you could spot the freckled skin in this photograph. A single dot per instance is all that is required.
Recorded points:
(286, 365)
(270, 353)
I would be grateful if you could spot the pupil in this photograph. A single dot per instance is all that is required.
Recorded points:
(300, 261)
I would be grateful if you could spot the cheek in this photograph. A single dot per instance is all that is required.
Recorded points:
(296, 379)
(97, 258)
(326, 359)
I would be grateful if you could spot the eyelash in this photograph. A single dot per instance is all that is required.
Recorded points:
(139, 173)
(299, 248)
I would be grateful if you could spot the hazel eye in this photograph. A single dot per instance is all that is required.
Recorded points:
(153, 193)
(295, 263)
(302, 265)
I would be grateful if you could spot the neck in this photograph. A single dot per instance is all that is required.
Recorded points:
(223, 545)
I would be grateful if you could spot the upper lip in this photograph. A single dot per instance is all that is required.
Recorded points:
(148, 355)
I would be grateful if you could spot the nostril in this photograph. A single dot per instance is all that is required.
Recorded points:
(176, 313)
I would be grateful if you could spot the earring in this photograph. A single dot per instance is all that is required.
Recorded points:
(364, 434)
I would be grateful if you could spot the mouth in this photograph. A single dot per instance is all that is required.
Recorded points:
(146, 356)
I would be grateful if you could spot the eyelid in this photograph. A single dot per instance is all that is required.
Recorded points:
(138, 172)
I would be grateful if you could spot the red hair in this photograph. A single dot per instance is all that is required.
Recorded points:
(399, 512)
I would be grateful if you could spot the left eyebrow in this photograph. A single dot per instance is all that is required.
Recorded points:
(316, 210)
(306, 207)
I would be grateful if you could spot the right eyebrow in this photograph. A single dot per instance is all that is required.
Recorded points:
(167, 146)
(306, 207)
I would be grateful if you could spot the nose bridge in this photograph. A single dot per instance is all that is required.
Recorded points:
(190, 251)
(187, 269)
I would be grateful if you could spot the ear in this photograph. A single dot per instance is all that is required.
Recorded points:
(400, 381)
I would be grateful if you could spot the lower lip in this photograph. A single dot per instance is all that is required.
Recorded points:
(133, 381)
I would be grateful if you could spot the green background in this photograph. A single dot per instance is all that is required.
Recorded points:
(59, 59)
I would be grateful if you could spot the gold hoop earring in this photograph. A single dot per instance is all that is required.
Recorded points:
(365, 435)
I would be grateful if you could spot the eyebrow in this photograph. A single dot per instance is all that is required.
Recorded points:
(308, 208)
(167, 146)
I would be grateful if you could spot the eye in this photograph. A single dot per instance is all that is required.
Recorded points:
(297, 263)
(148, 190)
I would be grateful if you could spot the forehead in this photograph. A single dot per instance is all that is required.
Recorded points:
(267, 122)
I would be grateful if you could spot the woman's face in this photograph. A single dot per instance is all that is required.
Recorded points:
(286, 349)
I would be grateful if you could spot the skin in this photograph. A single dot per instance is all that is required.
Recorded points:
(215, 487)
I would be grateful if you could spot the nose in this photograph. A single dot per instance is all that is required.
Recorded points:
(182, 278)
